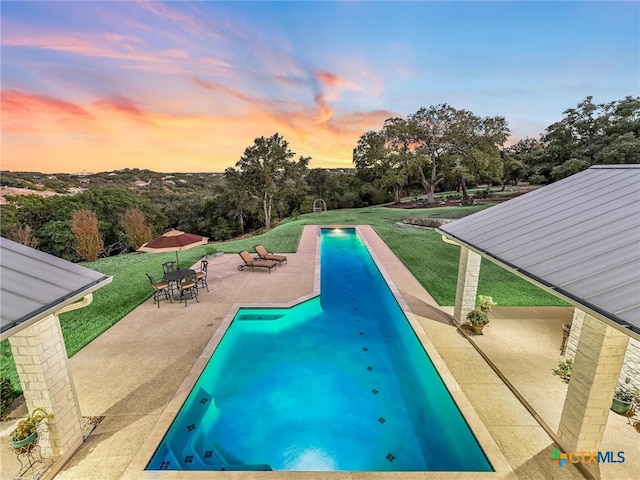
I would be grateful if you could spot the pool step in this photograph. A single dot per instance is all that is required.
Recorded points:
(214, 458)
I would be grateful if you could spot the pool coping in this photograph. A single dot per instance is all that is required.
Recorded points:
(502, 469)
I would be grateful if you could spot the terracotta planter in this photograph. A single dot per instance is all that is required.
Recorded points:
(477, 329)
(18, 444)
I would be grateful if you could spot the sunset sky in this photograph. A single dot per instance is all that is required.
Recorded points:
(186, 86)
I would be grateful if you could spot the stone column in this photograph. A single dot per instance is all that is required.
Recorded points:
(43, 366)
(630, 374)
(468, 276)
(599, 356)
(574, 334)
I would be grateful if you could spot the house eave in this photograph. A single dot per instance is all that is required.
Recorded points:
(54, 308)
(596, 312)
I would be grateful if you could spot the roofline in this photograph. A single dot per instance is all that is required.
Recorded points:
(591, 309)
(52, 308)
(625, 165)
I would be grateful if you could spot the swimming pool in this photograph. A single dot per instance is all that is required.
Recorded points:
(339, 382)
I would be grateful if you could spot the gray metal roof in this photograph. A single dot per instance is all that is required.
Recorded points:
(579, 237)
(34, 284)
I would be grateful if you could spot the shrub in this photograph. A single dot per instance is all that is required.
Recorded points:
(7, 394)
(135, 228)
(84, 225)
(23, 234)
(425, 222)
(537, 179)
(486, 193)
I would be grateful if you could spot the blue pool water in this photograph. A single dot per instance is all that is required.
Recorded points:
(339, 382)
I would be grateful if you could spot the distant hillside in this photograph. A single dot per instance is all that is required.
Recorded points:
(130, 179)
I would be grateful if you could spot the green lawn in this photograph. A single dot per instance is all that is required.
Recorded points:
(433, 262)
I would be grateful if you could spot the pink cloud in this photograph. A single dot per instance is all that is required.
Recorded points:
(127, 48)
(272, 105)
(324, 111)
(124, 105)
(21, 103)
(105, 45)
(333, 80)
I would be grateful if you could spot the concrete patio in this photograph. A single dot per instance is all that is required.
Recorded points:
(133, 376)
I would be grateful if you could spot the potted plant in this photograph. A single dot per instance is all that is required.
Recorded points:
(564, 369)
(622, 400)
(26, 431)
(486, 303)
(479, 318)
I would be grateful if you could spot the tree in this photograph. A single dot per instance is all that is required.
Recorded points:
(136, 230)
(321, 183)
(399, 135)
(591, 134)
(568, 168)
(237, 198)
(266, 168)
(529, 152)
(586, 129)
(621, 142)
(477, 150)
(513, 170)
(375, 153)
(84, 224)
(447, 138)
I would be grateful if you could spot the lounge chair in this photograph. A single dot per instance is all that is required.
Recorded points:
(264, 255)
(249, 261)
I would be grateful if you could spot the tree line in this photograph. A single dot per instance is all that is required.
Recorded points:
(438, 148)
(442, 147)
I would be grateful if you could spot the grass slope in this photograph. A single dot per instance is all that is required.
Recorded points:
(433, 262)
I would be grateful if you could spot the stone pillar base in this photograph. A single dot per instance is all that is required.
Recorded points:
(598, 360)
(43, 366)
(467, 288)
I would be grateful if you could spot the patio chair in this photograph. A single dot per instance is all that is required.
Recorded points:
(188, 287)
(169, 266)
(201, 275)
(264, 255)
(249, 261)
(160, 288)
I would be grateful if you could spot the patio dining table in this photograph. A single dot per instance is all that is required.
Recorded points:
(174, 277)
(177, 275)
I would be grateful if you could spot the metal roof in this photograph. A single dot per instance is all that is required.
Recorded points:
(579, 237)
(34, 284)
